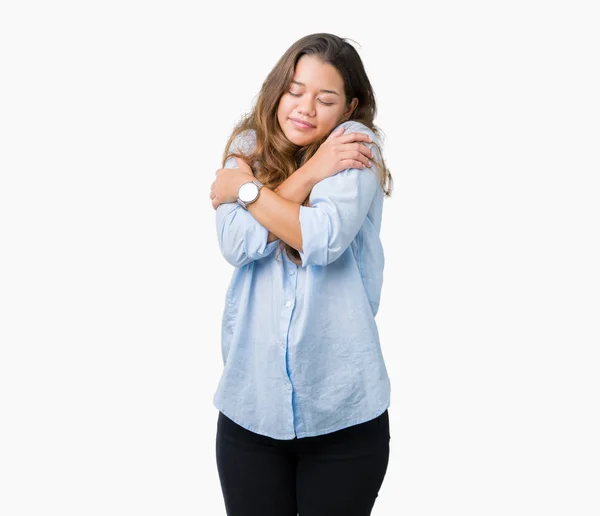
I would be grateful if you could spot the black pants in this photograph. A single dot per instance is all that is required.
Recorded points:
(339, 473)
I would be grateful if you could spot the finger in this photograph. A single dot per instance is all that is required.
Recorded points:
(352, 163)
(363, 148)
(353, 137)
(243, 165)
(358, 159)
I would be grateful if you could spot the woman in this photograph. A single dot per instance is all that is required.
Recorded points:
(303, 399)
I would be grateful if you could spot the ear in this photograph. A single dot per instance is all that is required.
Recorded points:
(351, 108)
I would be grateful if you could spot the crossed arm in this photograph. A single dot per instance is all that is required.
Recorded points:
(246, 235)
(320, 232)
(295, 188)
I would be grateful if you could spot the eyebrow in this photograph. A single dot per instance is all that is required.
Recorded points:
(324, 91)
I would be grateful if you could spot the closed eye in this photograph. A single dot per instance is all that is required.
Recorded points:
(297, 95)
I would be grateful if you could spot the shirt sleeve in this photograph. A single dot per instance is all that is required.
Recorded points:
(339, 206)
(241, 237)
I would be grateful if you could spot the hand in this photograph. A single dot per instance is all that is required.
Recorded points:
(225, 187)
(339, 152)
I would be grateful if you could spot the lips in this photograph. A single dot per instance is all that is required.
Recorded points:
(301, 123)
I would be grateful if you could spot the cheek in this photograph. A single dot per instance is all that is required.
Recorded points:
(284, 106)
(330, 116)
(283, 112)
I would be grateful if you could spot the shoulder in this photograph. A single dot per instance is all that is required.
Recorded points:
(244, 141)
(353, 126)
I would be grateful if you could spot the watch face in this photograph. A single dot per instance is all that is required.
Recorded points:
(248, 192)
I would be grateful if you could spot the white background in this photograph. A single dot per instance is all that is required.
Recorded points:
(113, 120)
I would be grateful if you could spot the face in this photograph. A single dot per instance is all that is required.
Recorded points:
(315, 96)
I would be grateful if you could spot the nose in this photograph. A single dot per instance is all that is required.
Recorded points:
(306, 107)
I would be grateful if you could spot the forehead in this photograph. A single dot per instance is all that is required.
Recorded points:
(314, 73)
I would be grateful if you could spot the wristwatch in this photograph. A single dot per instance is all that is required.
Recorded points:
(248, 193)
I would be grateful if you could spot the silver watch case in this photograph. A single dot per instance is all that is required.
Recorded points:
(248, 193)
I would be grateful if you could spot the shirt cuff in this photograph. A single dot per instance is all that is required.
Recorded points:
(314, 226)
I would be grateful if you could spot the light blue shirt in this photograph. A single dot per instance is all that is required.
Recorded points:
(300, 345)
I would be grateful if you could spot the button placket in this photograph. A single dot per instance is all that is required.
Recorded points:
(290, 278)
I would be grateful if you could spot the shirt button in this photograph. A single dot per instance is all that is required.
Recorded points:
(288, 303)
(292, 273)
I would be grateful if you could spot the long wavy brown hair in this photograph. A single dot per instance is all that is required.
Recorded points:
(274, 158)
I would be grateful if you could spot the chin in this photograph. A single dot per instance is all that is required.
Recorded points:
(297, 139)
